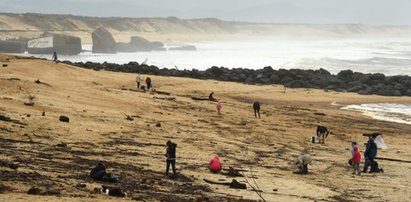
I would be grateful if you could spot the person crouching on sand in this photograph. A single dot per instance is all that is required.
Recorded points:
(215, 165)
(171, 158)
(219, 106)
(302, 163)
(356, 159)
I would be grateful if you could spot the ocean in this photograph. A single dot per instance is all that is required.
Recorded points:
(399, 113)
(390, 56)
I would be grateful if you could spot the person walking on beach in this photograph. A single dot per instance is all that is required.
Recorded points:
(148, 83)
(219, 106)
(138, 81)
(370, 153)
(54, 57)
(356, 158)
(171, 158)
(256, 107)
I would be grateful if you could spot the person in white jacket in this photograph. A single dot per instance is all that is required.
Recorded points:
(138, 80)
(302, 163)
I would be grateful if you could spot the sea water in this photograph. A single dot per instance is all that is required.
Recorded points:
(387, 56)
(399, 113)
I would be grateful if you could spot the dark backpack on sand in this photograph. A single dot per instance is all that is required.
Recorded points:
(374, 167)
(110, 177)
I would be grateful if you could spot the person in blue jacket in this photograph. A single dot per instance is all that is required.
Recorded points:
(370, 153)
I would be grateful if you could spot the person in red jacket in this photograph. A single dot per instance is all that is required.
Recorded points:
(215, 165)
(356, 158)
(148, 83)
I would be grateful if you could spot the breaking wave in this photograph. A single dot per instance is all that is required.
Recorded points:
(399, 113)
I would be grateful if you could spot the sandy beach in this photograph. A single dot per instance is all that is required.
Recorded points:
(98, 102)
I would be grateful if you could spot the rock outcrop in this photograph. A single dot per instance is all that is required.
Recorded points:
(140, 44)
(103, 41)
(50, 43)
(13, 46)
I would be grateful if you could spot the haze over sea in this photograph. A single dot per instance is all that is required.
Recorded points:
(387, 56)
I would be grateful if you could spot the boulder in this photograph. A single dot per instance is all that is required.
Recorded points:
(364, 78)
(353, 84)
(366, 91)
(400, 87)
(357, 88)
(396, 93)
(140, 44)
(274, 78)
(376, 79)
(408, 92)
(63, 118)
(13, 46)
(320, 82)
(345, 75)
(294, 84)
(103, 41)
(381, 89)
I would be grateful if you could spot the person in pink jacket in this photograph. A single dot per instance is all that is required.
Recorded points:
(215, 165)
(219, 106)
(356, 159)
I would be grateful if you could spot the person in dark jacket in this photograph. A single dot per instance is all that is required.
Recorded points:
(370, 153)
(322, 134)
(98, 172)
(171, 158)
(55, 58)
(148, 83)
(256, 107)
(210, 97)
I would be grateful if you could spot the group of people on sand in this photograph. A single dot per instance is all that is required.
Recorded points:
(147, 80)
(370, 154)
(219, 106)
(301, 161)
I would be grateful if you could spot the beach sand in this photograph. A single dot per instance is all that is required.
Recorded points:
(97, 103)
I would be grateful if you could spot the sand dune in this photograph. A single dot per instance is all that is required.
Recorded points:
(172, 29)
(96, 103)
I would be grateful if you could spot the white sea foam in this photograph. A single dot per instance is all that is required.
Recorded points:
(388, 56)
(399, 113)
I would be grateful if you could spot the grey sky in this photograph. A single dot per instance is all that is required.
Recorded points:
(375, 12)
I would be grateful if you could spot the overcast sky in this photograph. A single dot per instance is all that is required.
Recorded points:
(375, 12)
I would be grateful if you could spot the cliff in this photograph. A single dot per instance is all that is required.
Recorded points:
(172, 28)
